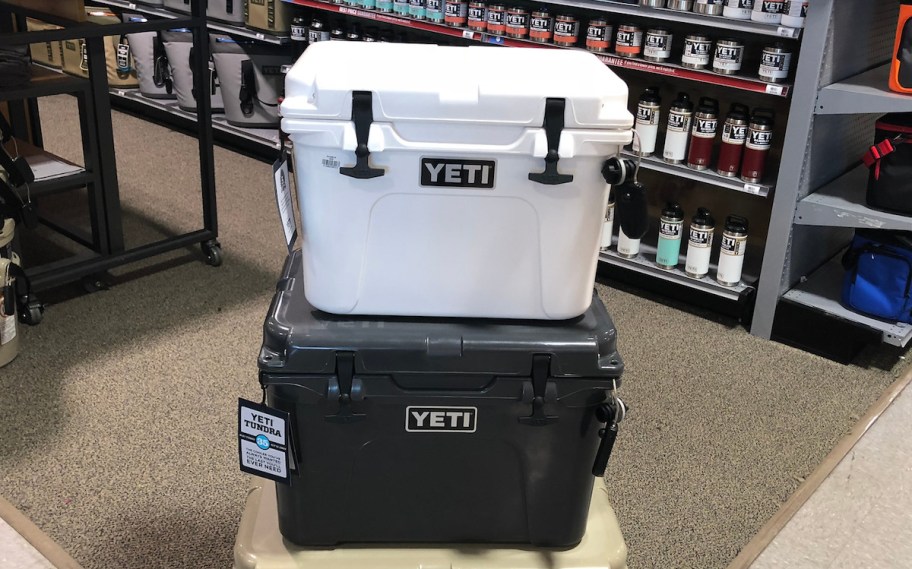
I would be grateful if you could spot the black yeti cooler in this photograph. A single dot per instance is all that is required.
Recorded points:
(436, 430)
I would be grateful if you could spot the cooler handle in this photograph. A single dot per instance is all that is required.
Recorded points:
(362, 116)
(248, 88)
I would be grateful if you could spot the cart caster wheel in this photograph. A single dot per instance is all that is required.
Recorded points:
(213, 252)
(32, 313)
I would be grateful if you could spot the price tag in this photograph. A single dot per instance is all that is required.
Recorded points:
(788, 32)
(260, 36)
(775, 90)
(469, 35)
(264, 441)
(283, 199)
(753, 188)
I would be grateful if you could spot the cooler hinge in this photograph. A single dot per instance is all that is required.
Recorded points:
(362, 116)
(541, 371)
(553, 125)
(345, 374)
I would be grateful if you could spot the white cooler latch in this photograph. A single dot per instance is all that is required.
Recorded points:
(553, 125)
(362, 116)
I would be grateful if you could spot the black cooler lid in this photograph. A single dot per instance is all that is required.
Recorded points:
(299, 339)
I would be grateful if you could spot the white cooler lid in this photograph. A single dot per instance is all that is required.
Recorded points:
(477, 84)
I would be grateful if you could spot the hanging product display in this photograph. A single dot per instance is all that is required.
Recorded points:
(598, 35)
(728, 56)
(566, 30)
(658, 45)
(738, 9)
(671, 228)
(677, 132)
(758, 145)
(647, 122)
(768, 11)
(629, 41)
(732, 251)
(703, 138)
(497, 19)
(775, 63)
(699, 244)
(517, 25)
(697, 52)
(477, 16)
(794, 13)
(541, 26)
(708, 7)
(734, 135)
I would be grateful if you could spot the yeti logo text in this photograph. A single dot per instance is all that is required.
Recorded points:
(440, 419)
(456, 173)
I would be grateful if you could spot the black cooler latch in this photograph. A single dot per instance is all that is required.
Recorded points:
(553, 125)
(362, 116)
(541, 370)
(345, 374)
(611, 413)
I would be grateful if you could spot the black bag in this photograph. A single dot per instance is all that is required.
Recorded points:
(890, 163)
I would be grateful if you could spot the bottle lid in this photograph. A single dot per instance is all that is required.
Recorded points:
(739, 111)
(673, 210)
(703, 217)
(764, 117)
(651, 95)
(708, 105)
(736, 224)
(683, 102)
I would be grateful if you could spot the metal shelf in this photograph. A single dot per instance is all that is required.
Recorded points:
(865, 93)
(215, 26)
(754, 85)
(705, 176)
(44, 82)
(262, 136)
(690, 18)
(822, 291)
(643, 265)
(840, 204)
(52, 173)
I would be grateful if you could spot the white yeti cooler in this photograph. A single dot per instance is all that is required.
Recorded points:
(450, 207)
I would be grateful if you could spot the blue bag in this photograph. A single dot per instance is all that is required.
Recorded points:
(878, 279)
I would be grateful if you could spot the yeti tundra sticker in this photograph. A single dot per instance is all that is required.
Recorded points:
(457, 173)
(440, 419)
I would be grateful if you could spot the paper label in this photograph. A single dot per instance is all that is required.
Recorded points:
(7, 327)
(263, 440)
(284, 201)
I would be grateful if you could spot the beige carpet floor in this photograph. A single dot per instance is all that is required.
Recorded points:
(118, 416)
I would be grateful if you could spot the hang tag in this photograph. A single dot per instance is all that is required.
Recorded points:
(283, 198)
(264, 441)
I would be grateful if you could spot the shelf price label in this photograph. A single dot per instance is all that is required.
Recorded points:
(469, 35)
(775, 90)
(787, 32)
(753, 189)
(260, 36)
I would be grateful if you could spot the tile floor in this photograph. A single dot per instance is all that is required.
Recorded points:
(16, 553)
(861, 516)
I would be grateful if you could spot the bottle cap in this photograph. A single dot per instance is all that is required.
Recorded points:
(703, 217)
(673, 210)
(736, 224)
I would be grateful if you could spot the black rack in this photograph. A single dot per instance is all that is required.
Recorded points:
(99, 176)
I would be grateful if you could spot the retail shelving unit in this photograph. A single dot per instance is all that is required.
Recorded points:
(105, 245)
(841, 89)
